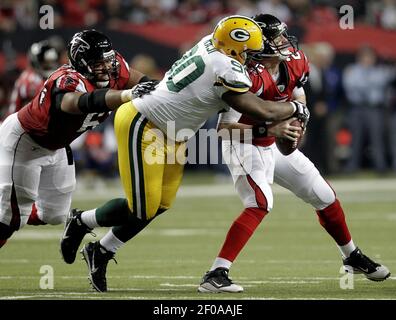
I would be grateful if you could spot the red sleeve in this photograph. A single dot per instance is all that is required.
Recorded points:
(257, 81)
(123, 77)
(301, 67)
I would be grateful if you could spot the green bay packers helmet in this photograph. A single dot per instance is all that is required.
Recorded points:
(235, 36)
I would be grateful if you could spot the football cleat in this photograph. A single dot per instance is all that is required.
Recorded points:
(74, 232)
(217, 281)
(357, 262)
(97, 259)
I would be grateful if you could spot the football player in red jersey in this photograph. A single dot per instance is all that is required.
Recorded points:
(37, 175)
(278, 74)
(44, 59)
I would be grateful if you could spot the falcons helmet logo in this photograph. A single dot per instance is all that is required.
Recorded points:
(78, 45)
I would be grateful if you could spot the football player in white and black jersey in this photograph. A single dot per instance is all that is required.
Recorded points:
(209, 78)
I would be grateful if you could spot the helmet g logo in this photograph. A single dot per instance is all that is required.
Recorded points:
(78, 45)
(240, 35)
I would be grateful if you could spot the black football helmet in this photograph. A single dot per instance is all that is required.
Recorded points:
(91, 53)
(274, 46)
(44, 57)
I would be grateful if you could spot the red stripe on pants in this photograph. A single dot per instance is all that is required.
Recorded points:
(260, 197)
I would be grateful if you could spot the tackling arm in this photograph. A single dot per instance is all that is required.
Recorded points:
(97, 101)
(253, 106)
(282, 129)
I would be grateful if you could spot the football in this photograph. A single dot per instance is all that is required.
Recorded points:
(287, 146)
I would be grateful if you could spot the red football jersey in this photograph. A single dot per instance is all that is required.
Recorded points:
(26, 87)
(294, 70)
(47, 124)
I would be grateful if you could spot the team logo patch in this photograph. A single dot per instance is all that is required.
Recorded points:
(78, 45)
(240, 35)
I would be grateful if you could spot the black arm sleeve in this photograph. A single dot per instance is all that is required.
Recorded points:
(144, 79)
(93, 102)
(58, 96)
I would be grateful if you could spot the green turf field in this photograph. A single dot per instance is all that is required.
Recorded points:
(289, 257)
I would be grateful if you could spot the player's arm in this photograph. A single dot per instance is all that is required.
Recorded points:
(248, 103)
(135, 77)
(140, 84)
(281, 129)
(228, 127)
(299, 95)
(97, 101)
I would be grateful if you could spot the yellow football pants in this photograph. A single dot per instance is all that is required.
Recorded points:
(151, 168)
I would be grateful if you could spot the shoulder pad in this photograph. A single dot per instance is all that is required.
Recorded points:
(70, 82)
(232, 74)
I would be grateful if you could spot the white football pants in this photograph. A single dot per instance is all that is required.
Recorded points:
(32, 174)
(255, 168)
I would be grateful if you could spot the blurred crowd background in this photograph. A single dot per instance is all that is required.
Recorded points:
(351, 90)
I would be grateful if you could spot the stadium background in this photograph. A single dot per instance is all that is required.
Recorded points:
(151, 35)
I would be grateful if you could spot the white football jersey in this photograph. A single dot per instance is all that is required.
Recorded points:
(191, 90)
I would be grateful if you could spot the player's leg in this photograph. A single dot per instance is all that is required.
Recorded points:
(141, 170)
(19, 176)
(252, 172)
(57, 183)
(160, 179)
(298, 174)
(141, 165)
(141, 182)
(173, 174)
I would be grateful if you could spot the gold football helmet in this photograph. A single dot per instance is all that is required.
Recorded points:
(236, 35)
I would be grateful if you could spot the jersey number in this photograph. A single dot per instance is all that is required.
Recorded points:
(184, 71)
(90, 121)
(295, 56)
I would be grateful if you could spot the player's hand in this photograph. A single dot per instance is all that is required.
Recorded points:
(302, 113)
(285, 129)
(143, 88)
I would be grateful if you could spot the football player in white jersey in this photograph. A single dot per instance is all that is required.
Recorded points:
(152, 130)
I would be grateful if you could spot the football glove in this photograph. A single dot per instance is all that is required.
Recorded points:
(302, 113)
(143, 88)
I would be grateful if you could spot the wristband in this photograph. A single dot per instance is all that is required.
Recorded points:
(260, 131)
(126, 95)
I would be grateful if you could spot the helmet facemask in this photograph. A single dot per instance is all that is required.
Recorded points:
(276, 44)
(244, 56)
(101, 72)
